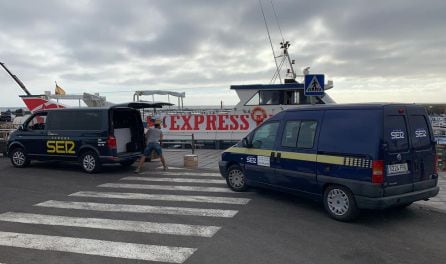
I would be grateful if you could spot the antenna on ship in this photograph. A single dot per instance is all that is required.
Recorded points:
(270, 42)
(284, 45)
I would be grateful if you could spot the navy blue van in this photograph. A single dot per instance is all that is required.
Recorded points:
(92, 136)
(351, 157)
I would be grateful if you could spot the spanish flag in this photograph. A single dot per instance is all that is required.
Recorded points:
(59, 90)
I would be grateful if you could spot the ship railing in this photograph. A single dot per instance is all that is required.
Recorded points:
(182, 140)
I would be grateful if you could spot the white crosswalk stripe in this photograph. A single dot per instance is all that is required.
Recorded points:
(177, 180)
(167, 187)
(163, 197)
(97, 247)
(181, 180)
(122, 225)
(130, 208)
(197, 174)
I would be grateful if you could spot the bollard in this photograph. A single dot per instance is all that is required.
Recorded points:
(191, 161)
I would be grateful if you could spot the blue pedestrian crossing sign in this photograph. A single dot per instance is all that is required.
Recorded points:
(314, 85)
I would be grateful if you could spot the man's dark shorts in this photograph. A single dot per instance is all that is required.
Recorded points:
(152, 146)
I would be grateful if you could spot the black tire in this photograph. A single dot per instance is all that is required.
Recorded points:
(127, 163)
(89, 161)
(19, 159)
(236, 179)
(340, 203)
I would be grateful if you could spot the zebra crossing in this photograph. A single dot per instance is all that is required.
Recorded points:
(205, 194)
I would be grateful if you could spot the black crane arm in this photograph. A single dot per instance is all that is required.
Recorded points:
(17, 80)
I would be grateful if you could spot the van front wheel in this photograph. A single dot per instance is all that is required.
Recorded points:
(340, 203)
(236, 179)
(19, 158)
(90, 162)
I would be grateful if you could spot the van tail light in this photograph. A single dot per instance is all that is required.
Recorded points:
(111, 142)
(436, 165)
(378, 171)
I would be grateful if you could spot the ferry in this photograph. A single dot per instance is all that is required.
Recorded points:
(257, 103)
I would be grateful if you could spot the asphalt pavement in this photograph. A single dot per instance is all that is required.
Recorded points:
(55, 213)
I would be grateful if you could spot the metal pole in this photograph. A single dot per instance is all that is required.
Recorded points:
(193, 143)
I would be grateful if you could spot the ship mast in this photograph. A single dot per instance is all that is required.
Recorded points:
(284, 45)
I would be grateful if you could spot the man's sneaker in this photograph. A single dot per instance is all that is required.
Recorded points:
(138, 170)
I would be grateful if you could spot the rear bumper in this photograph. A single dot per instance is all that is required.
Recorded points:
(223, 167)
(120, 157)
(395, 200)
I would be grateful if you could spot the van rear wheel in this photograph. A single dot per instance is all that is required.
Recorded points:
(90, 162)
(236, 179)
(19, 158)
(340, 203)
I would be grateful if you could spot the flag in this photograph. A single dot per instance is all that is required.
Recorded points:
(59, 90)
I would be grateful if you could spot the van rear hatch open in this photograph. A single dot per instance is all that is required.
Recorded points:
(127, 130)
(408, 150)
(127, 127)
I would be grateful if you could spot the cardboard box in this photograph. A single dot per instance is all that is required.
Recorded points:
(191, 161)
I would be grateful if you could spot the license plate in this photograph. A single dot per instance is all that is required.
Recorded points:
(395, 169)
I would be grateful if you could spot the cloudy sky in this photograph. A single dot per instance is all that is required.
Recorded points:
(390, 50)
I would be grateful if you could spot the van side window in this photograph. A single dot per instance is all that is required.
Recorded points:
(419, 131)
(299, 134)
(38, 122)
(306, 134)
(265, 136)
(76, 120)
(395, 133)
(290, 133)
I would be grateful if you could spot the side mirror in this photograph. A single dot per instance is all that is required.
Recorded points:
(245, 143)
(21, 128)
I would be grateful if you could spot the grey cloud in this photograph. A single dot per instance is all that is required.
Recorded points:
(216, 43)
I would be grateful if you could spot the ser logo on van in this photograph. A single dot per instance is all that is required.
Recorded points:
(420, 133)
(60, 147)
(251, 159)
(397, 134)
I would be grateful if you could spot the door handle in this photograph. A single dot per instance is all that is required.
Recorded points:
(279, 155)
(273, 156)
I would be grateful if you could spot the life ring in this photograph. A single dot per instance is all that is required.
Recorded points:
(258, 114)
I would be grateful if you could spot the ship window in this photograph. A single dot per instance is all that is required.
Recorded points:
(254, 100)
(270, 97)
(282, 97)
(291, 98)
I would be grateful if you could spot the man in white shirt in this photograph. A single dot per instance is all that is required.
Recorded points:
(154, 136)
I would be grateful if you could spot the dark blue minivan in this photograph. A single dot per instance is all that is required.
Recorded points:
(351, 156)
(91, 136)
